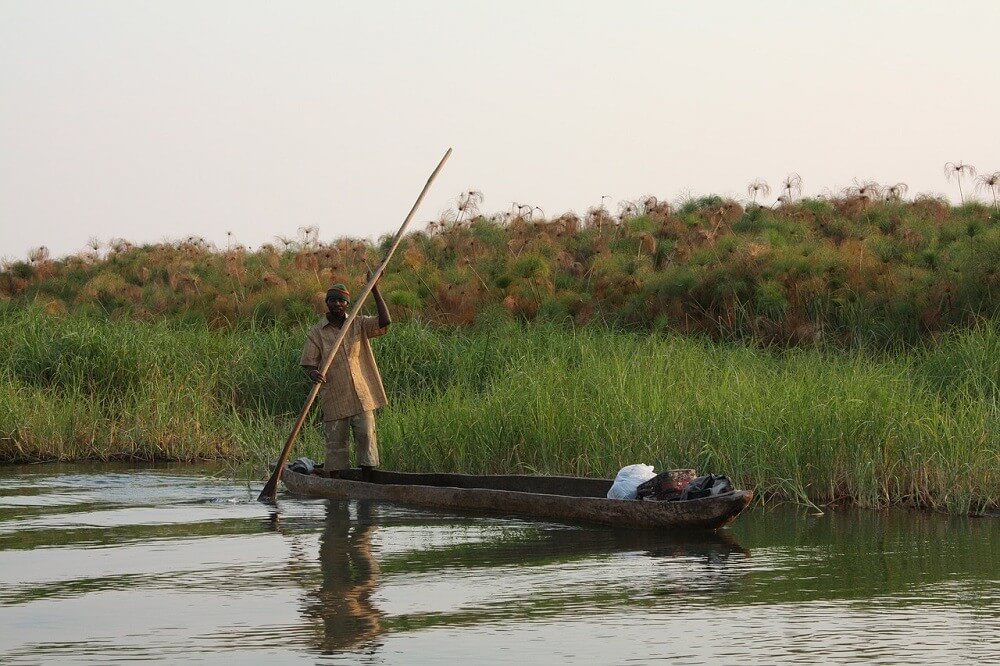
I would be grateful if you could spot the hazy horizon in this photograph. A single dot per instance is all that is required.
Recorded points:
(161, 120)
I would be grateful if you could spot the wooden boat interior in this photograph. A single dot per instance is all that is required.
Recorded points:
(569, 486)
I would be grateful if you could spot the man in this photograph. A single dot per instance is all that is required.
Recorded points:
(352, 389)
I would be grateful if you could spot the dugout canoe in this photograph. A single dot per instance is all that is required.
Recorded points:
(560, 498)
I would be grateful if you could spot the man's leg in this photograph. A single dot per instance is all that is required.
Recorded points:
(365, 441)
(337, 456)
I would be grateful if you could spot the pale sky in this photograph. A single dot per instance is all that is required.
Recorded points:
(152, 120)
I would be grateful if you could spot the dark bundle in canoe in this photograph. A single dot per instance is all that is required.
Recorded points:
(561, 498)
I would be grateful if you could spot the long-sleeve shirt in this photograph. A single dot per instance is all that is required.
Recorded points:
(353, 383)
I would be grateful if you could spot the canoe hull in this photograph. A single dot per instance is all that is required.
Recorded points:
(702, 514)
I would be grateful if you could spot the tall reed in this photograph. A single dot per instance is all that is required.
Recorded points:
(918, 426)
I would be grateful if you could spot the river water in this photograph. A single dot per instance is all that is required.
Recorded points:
(105, 563)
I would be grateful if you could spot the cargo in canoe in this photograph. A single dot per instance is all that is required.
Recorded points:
(560, 498)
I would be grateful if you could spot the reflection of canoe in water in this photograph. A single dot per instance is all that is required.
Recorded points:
(560, 498)
(552, 543)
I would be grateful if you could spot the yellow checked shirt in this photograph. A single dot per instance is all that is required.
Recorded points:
(353, 383)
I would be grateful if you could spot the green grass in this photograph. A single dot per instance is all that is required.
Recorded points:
(918, 426)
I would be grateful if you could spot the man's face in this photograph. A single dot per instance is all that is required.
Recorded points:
(336, 305)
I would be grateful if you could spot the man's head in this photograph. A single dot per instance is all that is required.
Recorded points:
(338, 298)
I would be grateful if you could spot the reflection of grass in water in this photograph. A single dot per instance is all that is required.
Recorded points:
(852, 554)
(916, 427)
(889, 557)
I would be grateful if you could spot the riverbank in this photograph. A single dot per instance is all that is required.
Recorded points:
(918, 427)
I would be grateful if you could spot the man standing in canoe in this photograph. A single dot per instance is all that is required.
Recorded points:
(352, 389)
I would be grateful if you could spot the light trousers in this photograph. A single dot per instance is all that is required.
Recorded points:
(365, 443)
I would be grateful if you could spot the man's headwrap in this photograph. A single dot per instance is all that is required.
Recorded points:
(338, 290)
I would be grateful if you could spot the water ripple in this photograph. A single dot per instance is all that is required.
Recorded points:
(101, 565)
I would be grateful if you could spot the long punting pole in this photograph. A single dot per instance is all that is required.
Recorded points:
(270, 490)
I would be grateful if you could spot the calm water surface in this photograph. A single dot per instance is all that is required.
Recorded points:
(105, 563)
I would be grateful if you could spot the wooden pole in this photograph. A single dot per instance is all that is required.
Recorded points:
(269, 493)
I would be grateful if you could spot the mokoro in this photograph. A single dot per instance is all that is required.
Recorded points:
(560, 498)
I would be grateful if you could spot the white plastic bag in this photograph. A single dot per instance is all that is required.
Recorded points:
(629, 478)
